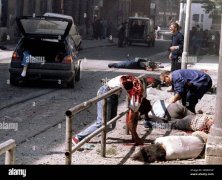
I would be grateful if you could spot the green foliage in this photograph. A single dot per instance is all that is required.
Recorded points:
(213, 7)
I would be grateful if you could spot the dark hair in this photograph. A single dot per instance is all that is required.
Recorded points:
(145, 106)
(165, 73)
(128, 85)
(176, 25)
(151, 153)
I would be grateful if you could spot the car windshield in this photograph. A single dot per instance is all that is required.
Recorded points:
(44, 26)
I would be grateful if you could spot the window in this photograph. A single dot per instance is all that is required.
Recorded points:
(196, 17)
(202, 17)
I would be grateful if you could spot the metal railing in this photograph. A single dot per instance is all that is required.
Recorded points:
(70, 115)
(8, 148)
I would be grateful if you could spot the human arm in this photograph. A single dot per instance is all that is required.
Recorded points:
(175, 98)
(177, 43)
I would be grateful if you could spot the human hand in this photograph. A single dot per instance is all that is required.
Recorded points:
(170, 56)
(173, 48)
(171, 100)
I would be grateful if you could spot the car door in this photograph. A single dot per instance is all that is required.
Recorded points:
(44, 27)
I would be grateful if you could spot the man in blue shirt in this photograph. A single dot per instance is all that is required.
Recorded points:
(189, 85)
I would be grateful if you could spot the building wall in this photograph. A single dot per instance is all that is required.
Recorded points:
(141, 8)
(111, 11)
(166, 12)
(205, 22)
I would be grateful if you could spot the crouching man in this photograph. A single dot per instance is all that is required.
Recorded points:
(189, 85)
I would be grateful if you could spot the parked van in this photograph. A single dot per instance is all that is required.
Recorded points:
(140, 30)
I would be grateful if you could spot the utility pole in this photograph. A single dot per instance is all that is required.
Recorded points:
(186, 35)
(49, 5)
(181, 15)
(62, 6)
(214, 142)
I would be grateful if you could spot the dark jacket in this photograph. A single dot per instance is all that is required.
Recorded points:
(197, 82)
(177, 40)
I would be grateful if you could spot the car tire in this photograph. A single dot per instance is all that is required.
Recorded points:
(77, 77)
(71, 83)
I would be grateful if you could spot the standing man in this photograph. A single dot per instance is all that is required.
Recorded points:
(189, 85)
(176, 46)
(121, 35)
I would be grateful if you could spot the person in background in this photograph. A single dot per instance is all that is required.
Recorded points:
(175, 48)
(121, 34)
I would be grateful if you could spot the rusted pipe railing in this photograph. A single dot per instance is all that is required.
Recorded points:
(8, 148)
(103, 137)
(83, 106)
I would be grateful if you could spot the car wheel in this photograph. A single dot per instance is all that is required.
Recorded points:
(71, 83)
(77, 78)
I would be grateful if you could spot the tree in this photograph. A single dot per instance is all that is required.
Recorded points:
(213, 7)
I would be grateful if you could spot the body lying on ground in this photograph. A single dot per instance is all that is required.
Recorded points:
(175, 116)
(137, 63)
(173, 148)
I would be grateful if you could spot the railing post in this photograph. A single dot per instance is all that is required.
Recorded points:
(127, 103)
(68, 140)
(10, 156)
(8, 148)
(103, 136)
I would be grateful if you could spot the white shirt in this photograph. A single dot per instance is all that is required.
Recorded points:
(115, 82)
(158, 110)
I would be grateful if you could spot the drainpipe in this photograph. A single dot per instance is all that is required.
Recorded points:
(214, 141)
(186, 35)
(62, 6)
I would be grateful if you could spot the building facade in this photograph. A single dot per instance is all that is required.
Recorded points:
(166, 11)
(82, 11)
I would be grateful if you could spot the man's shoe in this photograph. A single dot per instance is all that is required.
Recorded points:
(75, 140)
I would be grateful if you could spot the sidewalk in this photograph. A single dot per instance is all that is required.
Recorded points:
(86, 44)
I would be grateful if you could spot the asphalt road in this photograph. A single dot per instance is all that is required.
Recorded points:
(36, 107)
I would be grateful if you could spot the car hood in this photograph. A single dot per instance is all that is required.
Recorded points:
(44, 27)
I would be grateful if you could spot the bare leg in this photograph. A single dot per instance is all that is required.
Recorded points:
(131, 121)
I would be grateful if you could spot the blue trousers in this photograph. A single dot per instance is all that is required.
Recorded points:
(127, 64)
(112, 105)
